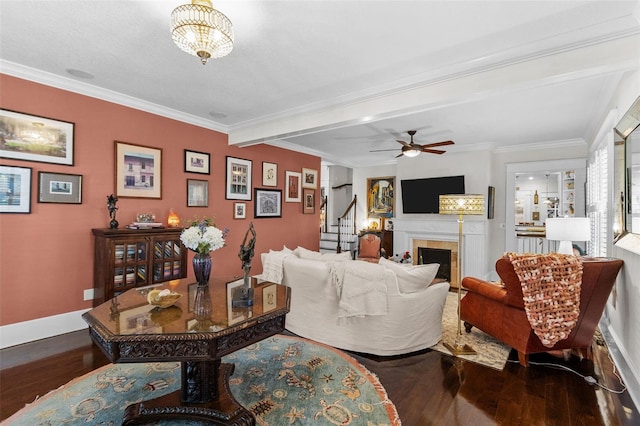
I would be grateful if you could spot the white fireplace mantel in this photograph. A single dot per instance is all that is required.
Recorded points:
(474, 251)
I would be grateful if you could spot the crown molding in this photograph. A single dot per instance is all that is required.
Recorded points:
(86, 89)
(564, 143)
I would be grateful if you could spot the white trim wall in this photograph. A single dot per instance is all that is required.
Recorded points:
(41, 328)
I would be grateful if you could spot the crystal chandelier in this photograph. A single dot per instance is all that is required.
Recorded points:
(201, 30)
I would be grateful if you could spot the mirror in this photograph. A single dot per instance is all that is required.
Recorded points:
(626, 223)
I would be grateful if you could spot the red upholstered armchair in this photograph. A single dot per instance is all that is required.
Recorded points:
(498, 310)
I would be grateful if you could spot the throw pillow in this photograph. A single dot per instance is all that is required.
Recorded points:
(412, 278)
(369, 247)
(285, 249)
(304, 253)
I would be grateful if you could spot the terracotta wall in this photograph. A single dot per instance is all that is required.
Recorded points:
(46, 257)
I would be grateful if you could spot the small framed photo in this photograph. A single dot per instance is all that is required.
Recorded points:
(292, 187)
(34, 138)
(236, 315)
(197, 193)
(59, 188)
(309, 201)
(268, 203)
(15, 189)
(269, 174)
(239, 210)
(138, 171)
(309, 178)
(197, 162)
(238, 183)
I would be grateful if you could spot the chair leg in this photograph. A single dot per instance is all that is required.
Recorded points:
(523, 358)
(467, 327)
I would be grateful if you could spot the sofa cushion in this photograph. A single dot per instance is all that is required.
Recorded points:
(412, 278)
(304, 253)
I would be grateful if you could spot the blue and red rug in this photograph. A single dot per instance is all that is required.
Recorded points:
(282, 380)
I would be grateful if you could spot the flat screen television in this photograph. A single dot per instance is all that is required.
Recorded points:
(423, 195)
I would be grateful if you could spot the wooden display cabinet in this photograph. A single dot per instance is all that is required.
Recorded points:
(129, 258)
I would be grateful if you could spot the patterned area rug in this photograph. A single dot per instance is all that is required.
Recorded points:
(491, 352)
(282, 380)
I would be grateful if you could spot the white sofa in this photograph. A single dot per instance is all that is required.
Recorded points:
(413, 321)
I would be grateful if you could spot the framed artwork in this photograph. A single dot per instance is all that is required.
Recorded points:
(197, 193)
(59, 188)
(34, 138)
(236, 315)
(309, 201)
(309, 178)
(381, 196)
(15, 189)
(239, 210)
(269, 174)
(292, 187)
(197, 162)
(138, 171)
(238, 184)
(268, 203)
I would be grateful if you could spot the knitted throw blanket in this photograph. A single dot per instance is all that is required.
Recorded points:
(551, 289)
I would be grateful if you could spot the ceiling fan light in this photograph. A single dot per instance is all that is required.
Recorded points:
(411, 152)
(201, 30)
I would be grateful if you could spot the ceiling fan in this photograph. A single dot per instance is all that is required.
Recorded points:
(413, 149)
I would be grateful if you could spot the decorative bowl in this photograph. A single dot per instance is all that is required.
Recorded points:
(162, 298)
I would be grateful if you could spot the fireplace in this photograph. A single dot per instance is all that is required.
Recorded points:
(438, 251)
(442, 233)
(434, 255)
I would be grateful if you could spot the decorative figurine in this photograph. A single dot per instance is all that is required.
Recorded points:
(111, 205)
(245, 298)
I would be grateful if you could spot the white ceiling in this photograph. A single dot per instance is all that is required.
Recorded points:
(340, 78)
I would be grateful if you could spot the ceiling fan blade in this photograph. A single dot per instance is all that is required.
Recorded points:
(383, 150)
(443, 143)
(433, 151)
(402, 142)
(399, 155)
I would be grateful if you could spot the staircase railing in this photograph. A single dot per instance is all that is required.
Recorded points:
(324, 226)
(347, 225)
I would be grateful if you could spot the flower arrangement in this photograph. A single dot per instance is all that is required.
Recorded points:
(406, 256)
(202, 236)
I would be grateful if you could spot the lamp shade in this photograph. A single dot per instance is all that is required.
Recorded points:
(568, 229)
(462, 204)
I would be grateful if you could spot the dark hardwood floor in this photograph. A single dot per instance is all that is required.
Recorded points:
(428, 388)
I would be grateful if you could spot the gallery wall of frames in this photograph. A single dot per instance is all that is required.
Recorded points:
(63, 155)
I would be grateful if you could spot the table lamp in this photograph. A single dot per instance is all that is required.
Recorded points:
(566, 230)
(460, 204)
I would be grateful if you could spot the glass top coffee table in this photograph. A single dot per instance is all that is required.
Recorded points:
(128, 329)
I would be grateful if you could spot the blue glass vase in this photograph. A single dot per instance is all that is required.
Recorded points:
(202, 268)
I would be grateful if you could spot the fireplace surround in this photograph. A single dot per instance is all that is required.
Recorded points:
(410, 234)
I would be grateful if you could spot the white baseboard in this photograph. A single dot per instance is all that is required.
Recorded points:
(629, 375)
(41, 328)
